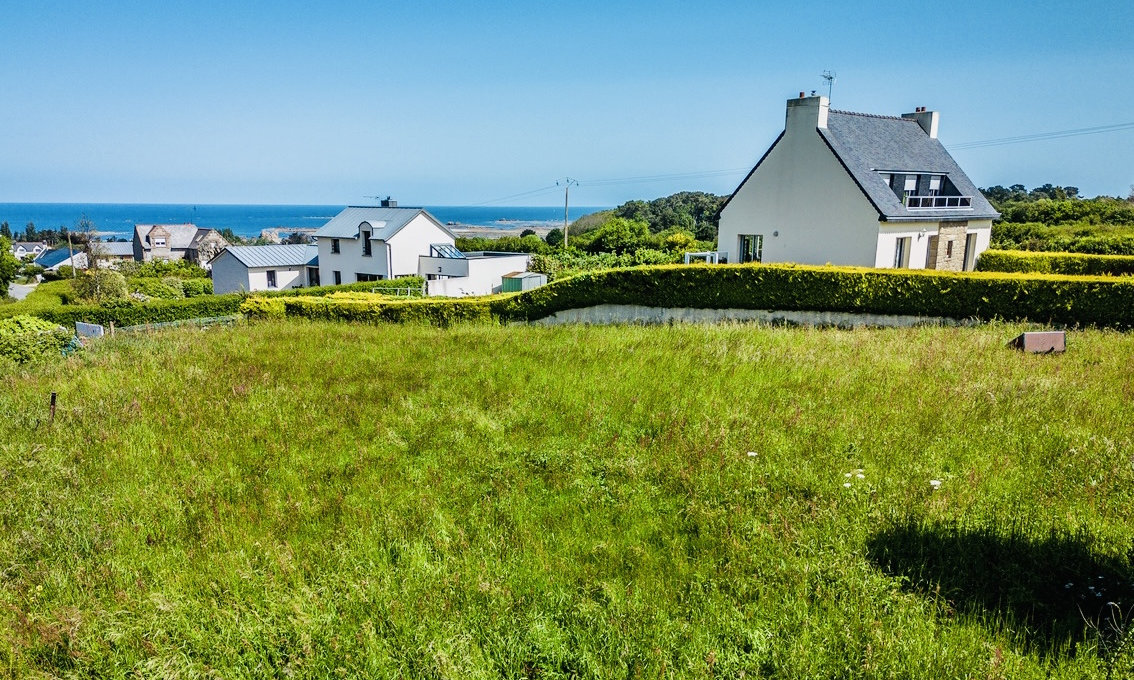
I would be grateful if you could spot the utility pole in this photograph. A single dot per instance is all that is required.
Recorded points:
(71, 250)
(566, 184)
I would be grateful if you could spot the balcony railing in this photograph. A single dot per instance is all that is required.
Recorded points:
(939, 202)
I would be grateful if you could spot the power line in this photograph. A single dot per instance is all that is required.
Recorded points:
(664, 178)
(522, 194)
(1043, 136)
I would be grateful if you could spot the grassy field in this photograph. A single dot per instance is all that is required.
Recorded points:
(317, 500)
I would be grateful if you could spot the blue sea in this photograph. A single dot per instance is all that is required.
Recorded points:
(114, 220)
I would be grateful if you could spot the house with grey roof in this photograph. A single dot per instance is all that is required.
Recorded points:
(369, 243)
(252, 268)
(52, 260)
(176, 242)
(22, 249)
(856, 189)
(110, 253)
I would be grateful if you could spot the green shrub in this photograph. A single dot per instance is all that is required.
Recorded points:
(158, 269)
(27, 338)
(433, 311)
(197, 286)
(174, 284)
(1075, 237)
(263, 308)
(154, 288)
(124, 313)
(1055, 263)
(100, 285)
(1081, 300)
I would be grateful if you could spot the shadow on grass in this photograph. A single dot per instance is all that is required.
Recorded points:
(1054, 588)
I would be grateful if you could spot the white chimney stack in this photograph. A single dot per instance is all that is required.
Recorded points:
(928, 120)
(807, 113)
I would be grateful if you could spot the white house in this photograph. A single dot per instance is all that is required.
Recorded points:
(449, 272)
(377, 242)
(52, 260)
(22, 249)
(252, 268)
(856, 189)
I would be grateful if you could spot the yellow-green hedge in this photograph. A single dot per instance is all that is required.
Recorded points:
(1065, 300)
(1025, 261)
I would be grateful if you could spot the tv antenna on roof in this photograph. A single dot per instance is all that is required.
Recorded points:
(829, 76)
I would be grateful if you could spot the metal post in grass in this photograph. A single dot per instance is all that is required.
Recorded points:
(52, 419)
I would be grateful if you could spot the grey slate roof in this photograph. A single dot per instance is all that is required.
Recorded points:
(116, 248)
(868, 144)
(384, 222)
(181, 236)
(274, 256)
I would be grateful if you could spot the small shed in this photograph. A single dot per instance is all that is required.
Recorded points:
(520, 281)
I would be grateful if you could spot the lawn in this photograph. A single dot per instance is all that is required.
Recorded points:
(294, 499)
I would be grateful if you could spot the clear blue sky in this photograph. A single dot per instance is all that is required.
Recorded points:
(463, 103)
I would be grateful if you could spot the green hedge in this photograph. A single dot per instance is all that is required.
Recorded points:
(51, 301)
(1066, 300)
(1055, 263)
(155, 311)
(27, 338)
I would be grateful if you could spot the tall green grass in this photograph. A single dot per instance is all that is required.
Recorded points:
(326, 500)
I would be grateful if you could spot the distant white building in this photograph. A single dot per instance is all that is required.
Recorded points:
(22, 249)
(856, 189)
(449, 272)
(370, 243)
(253, 268)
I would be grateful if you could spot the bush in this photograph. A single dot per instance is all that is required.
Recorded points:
(26, 338)
(1055, 263)
(1080, 300)
(263, 308)
(1079, 237)
(155, 288)
(157, 269)
(198, 286)
(100, 285)
(174, 284)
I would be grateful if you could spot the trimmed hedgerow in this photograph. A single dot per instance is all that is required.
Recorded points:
(432, 311)
(1067, 300)
(135, 314)
(51, 301)
(1055, 263)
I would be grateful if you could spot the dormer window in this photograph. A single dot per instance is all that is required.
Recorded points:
(159, 241)
(366, 248)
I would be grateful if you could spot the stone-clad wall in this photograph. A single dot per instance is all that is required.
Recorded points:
(947, 249)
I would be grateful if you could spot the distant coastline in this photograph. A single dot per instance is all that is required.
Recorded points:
(117, 220)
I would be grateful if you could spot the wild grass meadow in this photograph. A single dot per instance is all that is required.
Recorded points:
(293, 499)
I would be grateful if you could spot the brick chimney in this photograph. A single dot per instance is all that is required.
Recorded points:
(807, 113)
(928, 120)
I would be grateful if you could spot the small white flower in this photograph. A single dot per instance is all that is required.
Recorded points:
(847, 485)
(751, 454)
(860, 476)
(935, 483)
(1067, 586)
(847, 475)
